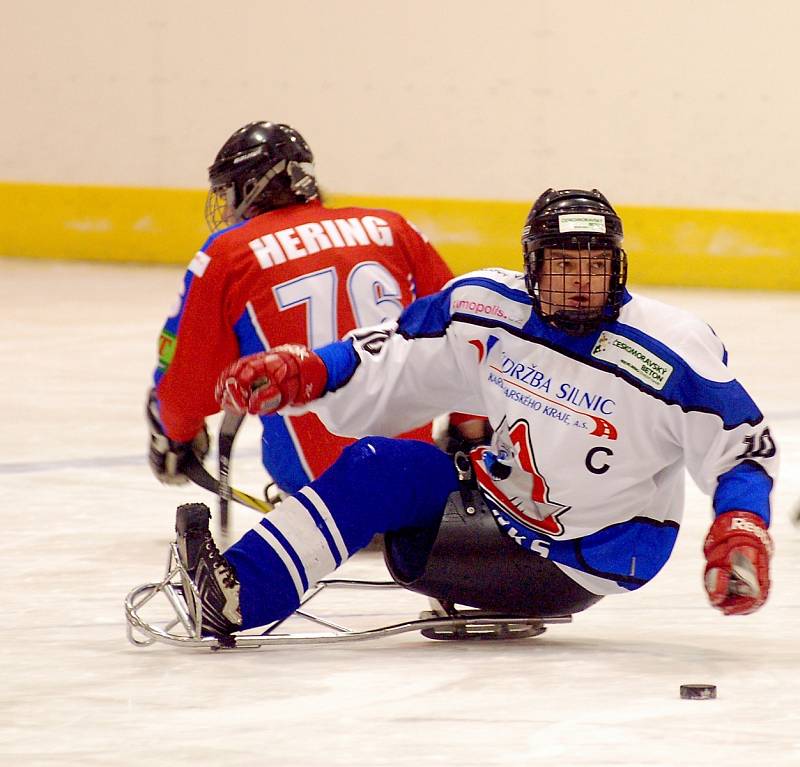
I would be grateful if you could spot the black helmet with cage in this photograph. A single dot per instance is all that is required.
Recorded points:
(582, 233)
(262, 166)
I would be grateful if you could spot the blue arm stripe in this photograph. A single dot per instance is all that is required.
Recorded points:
(745, 487)
(341, 361)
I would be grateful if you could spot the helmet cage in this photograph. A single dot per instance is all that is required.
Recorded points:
(583, 289)
(220, 206)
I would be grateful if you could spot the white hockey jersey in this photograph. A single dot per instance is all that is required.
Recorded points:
(591, 434)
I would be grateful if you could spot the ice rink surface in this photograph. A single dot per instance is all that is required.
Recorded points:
(83, 522)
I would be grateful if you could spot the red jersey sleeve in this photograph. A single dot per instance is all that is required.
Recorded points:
(202, 343)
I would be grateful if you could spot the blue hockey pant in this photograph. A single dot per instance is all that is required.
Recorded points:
(376, 485)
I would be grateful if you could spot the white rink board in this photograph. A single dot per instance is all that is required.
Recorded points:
(84, 522)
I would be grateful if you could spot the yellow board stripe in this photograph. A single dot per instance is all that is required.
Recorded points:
(101, 223)
(667, 246)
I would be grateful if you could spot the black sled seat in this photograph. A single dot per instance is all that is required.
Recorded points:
(468, 560)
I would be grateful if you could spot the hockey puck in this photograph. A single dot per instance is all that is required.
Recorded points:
(698, 691)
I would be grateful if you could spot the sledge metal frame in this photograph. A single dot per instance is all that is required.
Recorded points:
(444, 621)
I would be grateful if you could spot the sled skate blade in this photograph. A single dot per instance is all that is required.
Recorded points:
(472, 624)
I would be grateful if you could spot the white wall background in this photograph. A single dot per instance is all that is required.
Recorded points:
(686, 103)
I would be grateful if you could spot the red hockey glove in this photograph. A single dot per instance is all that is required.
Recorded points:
(737, 549)
(265, 382)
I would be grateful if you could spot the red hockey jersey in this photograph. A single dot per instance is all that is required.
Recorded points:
(305, 274)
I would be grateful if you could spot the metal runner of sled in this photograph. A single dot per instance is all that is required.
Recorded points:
(443, 621)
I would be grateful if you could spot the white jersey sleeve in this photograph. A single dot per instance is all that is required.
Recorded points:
(397, 384)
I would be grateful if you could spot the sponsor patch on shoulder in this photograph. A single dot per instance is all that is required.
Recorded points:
(467, 300)
(635, 359)
(199, 263)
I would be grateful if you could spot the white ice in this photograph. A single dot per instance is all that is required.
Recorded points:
(83, 522)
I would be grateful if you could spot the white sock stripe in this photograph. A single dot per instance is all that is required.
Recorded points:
(327, 517)
(301, 532)
(275, 544)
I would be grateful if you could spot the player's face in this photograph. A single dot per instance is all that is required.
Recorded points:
(572, 280)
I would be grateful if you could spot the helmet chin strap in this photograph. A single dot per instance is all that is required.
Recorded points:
(260, 185)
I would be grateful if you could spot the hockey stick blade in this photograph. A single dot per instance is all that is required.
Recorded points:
(198, 474)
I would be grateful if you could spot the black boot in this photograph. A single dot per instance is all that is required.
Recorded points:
(209, 571)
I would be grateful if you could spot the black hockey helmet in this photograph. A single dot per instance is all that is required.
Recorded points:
(262, 166)
(575, 220)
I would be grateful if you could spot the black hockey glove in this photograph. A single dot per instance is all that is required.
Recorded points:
(167, 457)
(462, 433)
